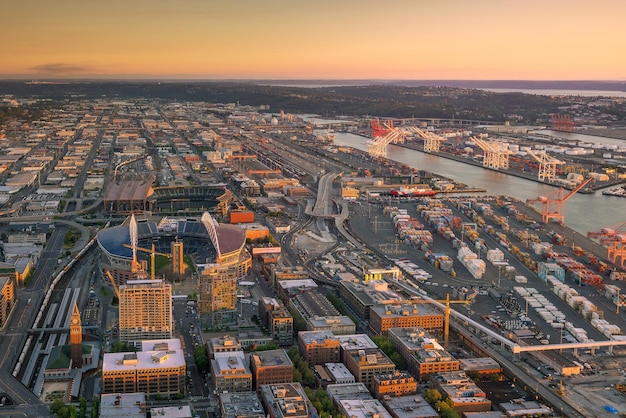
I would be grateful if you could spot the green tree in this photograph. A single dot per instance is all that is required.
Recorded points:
(432, 396)
(57, 406)
(201, 358)
(82, 408)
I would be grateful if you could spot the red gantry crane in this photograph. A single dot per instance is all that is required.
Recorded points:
(555, 208)
(379, 130)
(614, 237)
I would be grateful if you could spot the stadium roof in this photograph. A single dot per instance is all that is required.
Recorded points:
(116, 240)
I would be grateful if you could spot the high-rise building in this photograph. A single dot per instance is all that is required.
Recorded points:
(76, 338)
(277, 319)
(145, 310)
(178, 263)
(217, 295)
(7, 298)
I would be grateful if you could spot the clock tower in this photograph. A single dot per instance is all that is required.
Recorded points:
(76, 338)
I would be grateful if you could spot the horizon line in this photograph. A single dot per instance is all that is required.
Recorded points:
(197, 78)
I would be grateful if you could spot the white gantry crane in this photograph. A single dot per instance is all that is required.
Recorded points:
(547, 165)
(432, 141)
(378, 147)
(495, 154)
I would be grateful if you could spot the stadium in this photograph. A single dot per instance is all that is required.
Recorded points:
(127, 247)
(136, 195)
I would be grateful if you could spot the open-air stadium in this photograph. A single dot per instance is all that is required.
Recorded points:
(137, 195)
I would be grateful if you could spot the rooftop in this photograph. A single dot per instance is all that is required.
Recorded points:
(338, 371)
(127, 405)
(322, 321)
(232, 365)
(181, 411)
(241, 405)
(412, 406)
(160, 355)
(396, 311)
(309, 337)
(356, 390)
(356, 342)
(287, 400)
(272, 358)
(359, 408)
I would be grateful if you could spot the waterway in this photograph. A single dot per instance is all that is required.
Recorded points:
(583, 213)
(590, 139)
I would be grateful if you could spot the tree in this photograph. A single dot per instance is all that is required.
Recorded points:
(432, 396)
(201, 358)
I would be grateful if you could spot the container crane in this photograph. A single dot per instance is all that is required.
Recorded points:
(379, 130)
(378, 147)
(555, 208)
(614, 237)
(495, 154)
(547, 165)
(432, 141)
(446, 318)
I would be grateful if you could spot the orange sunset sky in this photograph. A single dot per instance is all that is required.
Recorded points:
(323, 39)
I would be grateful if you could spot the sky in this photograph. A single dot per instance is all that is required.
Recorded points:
(322, 39)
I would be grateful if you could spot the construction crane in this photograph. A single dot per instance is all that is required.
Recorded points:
(446, 318)
(547, 165)
(153, 253)
(432, 141)
(555, 208)
(495, 154)
(115, 289)
(614, 237)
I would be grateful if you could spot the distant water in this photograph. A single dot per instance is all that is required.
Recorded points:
(590, 139)
(557, 92)
(583, 212)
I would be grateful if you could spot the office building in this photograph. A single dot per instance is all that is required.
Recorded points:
(7, 298)
(484, 367)
(382, 318)
(361, 297)
(353, 343)
(270, 367)
(127, 405)
(338, 325)
(178, 263)
(364, 364)
(223, 344)
(241, 405)
(410, 406)
(398, 383)
(462, 391)
(423, 354)
(159, 368)
(348, 391)
(230, 373)
(286, 400)
(278, 320)
(319, 347)
(359, 408)
(145, 311)
(339, 373)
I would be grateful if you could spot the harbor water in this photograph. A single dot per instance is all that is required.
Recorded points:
(583, 212)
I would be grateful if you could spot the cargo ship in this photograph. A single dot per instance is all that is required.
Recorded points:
(412, 191)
